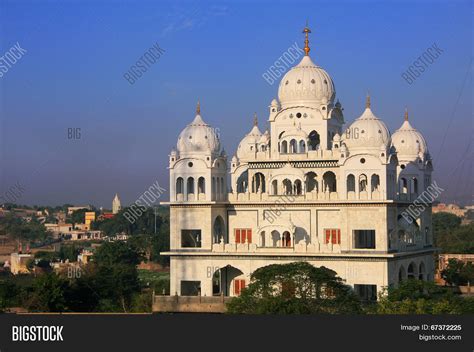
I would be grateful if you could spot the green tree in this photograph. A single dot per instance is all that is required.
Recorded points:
(49, 293)
(295, 288)
(419, 297)
(9, 292)
(450, 236)
(467, 273)
(452, 273)
(445, 222)
(115, 273)
(78, 216)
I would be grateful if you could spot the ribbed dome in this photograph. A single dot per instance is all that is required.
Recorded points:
(367, 133)
(199, 137)
(408, 142)
(247, 145)
(306, 83)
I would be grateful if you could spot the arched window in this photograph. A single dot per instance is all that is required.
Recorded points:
(284, 147)
(275, 237)
(274, 187)
(402, 236)
(415, 185)
(286, 239)
(362, 183)
(314, 140)
(293, 146)
(219, 230)
(179, 185)
(421, 271)
(302, 146)
(287, 187)
(375, 182)
(201, 185)
(222, 185)
(401, 274)
(411, 271)
(329, 179)
(311, 182)
(258, 183)
(351, 183)
(297, 187)
(262, 239)
(242, 182)
(403, 185)
(190, 185)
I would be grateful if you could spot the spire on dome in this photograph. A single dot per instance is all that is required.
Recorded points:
(255, 119)
(198, 108)
(367, 101)
(406, 114)
(306, 31)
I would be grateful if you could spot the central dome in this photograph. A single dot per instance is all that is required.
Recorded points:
(306, 83)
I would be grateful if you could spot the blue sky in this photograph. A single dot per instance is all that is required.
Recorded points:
(78, 51)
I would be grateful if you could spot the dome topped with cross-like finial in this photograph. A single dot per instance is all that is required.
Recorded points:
(367, 133)
(198, 137)
(306, 83)
(248, 145)
(408, 142)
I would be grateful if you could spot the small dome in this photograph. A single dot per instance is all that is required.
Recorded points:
(367, 133)
(274, 103)
(408, 142)
(199, 137)
(336, 137)
(265, 138)
(248, 144)
(306, 83)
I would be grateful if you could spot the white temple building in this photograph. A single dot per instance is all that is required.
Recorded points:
(306, 189)
(116, 205)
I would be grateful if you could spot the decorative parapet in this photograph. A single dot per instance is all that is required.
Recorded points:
(300, 247)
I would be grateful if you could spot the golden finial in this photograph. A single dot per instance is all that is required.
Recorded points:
(198, 108)
(406, 114)
(367, 101)
(255, 119)
(306, 30)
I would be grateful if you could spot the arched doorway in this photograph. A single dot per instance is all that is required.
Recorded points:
(225, 281)
(329, 179)
(219, 232)
(401, 274)
(313, 143)
(411, 272)
(286, 239)
(422, 272)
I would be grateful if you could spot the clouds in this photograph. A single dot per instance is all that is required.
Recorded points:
(188, 19)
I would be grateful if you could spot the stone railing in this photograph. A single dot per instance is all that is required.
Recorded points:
(297, 248)
(265, 197)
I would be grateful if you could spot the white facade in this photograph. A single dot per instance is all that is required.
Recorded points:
(306, 189)
(116, 205)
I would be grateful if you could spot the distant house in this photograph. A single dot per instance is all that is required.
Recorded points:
(85, 255)
(80, 235)
(450, 208)
(104, 216)
(18, 263)
(71, 210)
